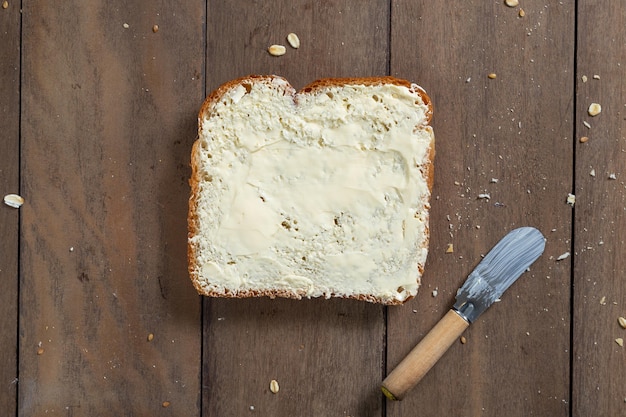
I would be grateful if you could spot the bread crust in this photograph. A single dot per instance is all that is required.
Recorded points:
(312, 88)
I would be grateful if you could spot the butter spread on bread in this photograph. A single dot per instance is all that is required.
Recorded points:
(321, 192)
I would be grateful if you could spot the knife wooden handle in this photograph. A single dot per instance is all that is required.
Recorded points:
(423, 356)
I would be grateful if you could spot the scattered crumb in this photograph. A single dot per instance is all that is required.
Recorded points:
(277, 50)
(521, 13)
(435, 292)
(40, 351)
(463, 340)
(484, 196)
(584, 139)
(619, 341)
(587, 125)
(150, 337)
(155, 28)
(492, 76)
(584, 78)
(596, 77)
(571, 199)
(450, 248)
(294, 40)
(166, 404)
(622, 322)
(612, 176)
(563, 256)
(594, 109)
(13, 200)
(592, 173)
(274, 386)
(5, 4)
(511, 3)
(494, 180)
(126, 25)
(603, 300)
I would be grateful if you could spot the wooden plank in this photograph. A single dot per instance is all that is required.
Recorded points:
(9, 218)
(510, 138)
(338, 39)
(109, 115)
(325, 354)
(599, 289)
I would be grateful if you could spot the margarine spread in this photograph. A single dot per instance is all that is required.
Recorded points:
(321, 195)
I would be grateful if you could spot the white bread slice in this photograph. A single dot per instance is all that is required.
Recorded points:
(321, 192)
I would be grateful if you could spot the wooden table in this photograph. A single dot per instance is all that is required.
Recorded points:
(97, 117)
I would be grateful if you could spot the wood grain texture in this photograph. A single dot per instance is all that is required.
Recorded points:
(108, 117)
(9, 217)
(325, 354)
(97, 122)
(492, 139)
(338, 39)
(599, 368)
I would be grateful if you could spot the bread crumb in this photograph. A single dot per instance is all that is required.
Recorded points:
(596, 77)
(13, 200)
(484, 196)
(587, 125)
(511, 3)
(450, 248)
(584, 78)
(563, 256)
(126, 25)
(274, 387)
(584, 139)
(521, 13)
(155, 28)
(571, 199)
(435, 292)
(150, 337)
(620, 341)
(492, 76)
(594, 109)
(40, 351)
(277, 50)
(612, 176)
(622, 322)
(5, 4)
(463, 340)
(166, 404)
(603, 300)
(592, 172)
(294, 40)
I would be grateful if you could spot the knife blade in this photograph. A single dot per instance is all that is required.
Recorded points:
(497, 271)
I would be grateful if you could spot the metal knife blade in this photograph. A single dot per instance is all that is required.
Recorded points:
(502, 266)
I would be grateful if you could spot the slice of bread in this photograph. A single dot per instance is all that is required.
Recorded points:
(321, 192)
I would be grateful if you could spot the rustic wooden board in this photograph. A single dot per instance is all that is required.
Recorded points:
(325, 354)
(493, 136)
(598, 364)
(107, 121)
(97, 124)
(9, 217)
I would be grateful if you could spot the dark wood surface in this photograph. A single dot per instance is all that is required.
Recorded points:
(98, 115)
